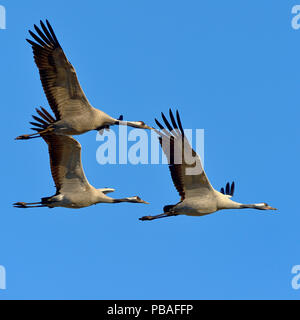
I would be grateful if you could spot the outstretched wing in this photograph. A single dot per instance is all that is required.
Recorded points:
(65, 162)
(185, 164)
(58, 76)
(229, 191)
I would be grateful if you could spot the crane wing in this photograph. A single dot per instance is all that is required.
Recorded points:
(185, 164)
(229, 190)
(58, 76)
(65, 162)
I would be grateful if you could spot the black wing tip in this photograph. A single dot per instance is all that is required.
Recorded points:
(229, 189)
(172, 118)
(171, 113)
(42, 23)
(179, 122)
(177, 126)
(46, 36)
(35, 124)
(48, 23)
(167, 123)
(32, 43)
(159, 124)
(232, 189)
(52, 33)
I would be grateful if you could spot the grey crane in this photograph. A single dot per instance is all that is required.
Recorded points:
(74, 115)
(198, 197)
(72, 187)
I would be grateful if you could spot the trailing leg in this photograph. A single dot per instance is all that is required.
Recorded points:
(160, 216)
(24, 205)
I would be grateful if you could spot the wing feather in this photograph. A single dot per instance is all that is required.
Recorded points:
(58, 76)
(65, 163)
(185, 165)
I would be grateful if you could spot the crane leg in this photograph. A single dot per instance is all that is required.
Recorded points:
(28, 136)
(24, 205)
(160, 216)
(34, 135)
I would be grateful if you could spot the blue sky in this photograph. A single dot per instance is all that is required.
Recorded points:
(231, 68)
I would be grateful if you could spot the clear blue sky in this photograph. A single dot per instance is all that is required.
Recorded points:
(232, 68)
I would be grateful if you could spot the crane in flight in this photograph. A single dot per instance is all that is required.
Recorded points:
(74, 115)
(198, 197)
(72, 187)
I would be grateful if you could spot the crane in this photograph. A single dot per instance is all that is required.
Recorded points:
(74, 115)
(198, 197)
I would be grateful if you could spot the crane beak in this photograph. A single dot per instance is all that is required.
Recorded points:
(139, 200)
(144, 202)
(149, 128)
(270, 208)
